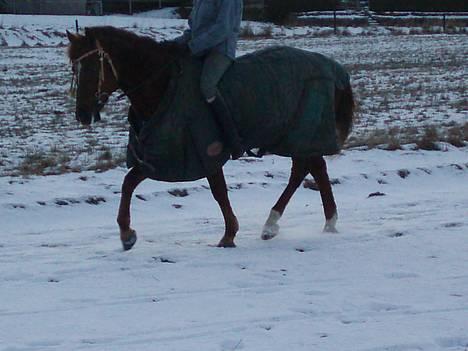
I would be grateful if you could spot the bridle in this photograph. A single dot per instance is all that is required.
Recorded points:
(101, 96)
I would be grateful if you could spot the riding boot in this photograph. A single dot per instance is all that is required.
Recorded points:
(224, 118)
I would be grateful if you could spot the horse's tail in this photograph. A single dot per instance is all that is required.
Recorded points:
(344, 110)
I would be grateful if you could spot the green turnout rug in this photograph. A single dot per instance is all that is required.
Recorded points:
(281, 98)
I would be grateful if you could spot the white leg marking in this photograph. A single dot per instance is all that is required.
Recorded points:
(330, 225)
(271, 227)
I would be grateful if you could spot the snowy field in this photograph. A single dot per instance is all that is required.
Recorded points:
(394, 278)
(403, 83)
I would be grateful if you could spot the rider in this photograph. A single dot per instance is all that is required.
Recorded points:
(212, 35)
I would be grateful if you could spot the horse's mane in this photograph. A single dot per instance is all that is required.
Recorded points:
(123, 41)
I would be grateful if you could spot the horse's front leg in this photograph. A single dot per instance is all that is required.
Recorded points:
(219, 190)
(131, 181)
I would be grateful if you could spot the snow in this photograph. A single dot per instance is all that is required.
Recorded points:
(35, 30)
(167, 12)
(393, 278)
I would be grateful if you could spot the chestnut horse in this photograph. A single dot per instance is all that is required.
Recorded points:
(106, 59)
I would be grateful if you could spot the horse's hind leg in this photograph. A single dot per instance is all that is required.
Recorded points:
(131, 181)
(219, 190)
(318, 169)
(299, 170)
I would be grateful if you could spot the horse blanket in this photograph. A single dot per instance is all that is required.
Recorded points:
(282, 99)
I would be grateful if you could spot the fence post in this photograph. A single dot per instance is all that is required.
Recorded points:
(334, 19)
(130, 7)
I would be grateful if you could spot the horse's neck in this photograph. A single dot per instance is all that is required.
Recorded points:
(144, 92)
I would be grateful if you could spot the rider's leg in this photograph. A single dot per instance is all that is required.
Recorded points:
(214, 67)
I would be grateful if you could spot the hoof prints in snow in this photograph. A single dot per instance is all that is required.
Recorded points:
(95, 200)
(403, 173)
(396, 235)
(91, 200)
(178, 192)
(53, 246)
(401, 275)
(141, 197)
(163, 260)
(453, 225)
(66, 202)
(378, 193)
(303, 249)
(17, 206)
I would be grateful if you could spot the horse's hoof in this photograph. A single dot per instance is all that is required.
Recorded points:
(329, 229)
(226, 243)
(132, 239)
(330, 225)
(271, 227)
(270, 231)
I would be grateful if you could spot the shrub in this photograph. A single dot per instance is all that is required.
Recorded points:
(429, 140)
(247, 31)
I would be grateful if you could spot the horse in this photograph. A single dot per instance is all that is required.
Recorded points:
(107, 59)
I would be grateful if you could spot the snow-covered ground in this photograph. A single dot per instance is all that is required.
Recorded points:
(393, 278)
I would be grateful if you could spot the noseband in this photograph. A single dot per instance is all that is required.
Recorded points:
(103, 56)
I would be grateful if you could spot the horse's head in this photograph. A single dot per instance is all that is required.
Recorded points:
(94, 75)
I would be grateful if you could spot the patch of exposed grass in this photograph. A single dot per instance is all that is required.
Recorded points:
(108, 160)
(36, 163)
(457, 135)
(425, 138)
(428, 141)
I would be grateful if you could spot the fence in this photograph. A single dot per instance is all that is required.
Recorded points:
(418, 5)
(52, 7)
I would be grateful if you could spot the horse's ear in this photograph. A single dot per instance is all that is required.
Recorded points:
(72, 37)
(89, 33)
